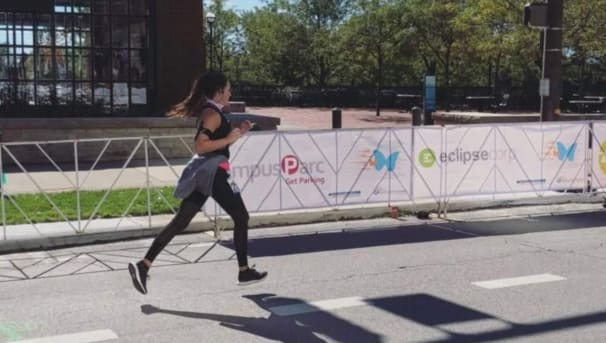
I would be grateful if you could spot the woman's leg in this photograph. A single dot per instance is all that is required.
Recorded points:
(232, 203)
(189, 207)
(187, 210)
(230, 200)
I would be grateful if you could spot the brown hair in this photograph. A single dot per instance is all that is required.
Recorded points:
(204, 88)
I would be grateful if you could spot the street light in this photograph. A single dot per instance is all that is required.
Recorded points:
(210, 19)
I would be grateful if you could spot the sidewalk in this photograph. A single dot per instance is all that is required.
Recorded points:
(296, 118)
(317, 118)
(65, 234)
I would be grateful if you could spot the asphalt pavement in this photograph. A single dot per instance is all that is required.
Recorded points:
(483, 276)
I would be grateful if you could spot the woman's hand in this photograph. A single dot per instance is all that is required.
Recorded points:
(234, 135)
(245, 126)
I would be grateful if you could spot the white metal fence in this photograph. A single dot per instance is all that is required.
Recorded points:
(294, 170)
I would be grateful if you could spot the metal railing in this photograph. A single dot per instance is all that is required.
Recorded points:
(295, 170)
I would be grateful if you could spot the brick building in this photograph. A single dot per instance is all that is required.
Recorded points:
(97, 58)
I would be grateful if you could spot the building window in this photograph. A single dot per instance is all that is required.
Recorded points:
(87, 55)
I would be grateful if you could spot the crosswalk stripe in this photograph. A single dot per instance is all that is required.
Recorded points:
(323, 305)
(518, 281)
(81, 337)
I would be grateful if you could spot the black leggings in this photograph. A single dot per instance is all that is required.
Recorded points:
(225, 196)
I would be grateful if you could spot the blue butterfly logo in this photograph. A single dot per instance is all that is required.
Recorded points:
(566, 153)
(380, 161)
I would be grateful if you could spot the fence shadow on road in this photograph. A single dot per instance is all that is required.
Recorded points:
(455, 322)
(445, 315)
(555, 222)
(433, 311)
(316, 242)
(376, 237)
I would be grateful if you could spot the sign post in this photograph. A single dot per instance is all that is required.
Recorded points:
(429, 103)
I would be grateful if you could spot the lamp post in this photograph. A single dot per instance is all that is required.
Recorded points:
(210, 19)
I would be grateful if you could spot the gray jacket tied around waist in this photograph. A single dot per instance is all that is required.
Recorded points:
(198, 175)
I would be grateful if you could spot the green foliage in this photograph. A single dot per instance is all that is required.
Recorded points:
(394, 42)
(378, 46)
(271, 58)
(39, 210)
(583, 45)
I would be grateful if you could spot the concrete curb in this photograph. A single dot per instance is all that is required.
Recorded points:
(282, 219)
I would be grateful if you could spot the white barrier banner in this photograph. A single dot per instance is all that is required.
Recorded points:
(565, 155)
(518, 158)
(308, 164)
(255, 168)
(364, 161)
(469, 160)
(541, 157)
(598, 169)
(296, 170)
(427, 176)
(400, 179)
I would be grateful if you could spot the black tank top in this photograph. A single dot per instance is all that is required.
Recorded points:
(221, 132)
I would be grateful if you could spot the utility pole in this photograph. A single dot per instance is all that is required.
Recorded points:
(379, 78)
(553, 60)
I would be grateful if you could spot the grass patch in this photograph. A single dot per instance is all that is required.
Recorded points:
(40, 210)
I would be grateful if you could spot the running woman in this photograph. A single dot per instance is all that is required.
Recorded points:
(206, 175)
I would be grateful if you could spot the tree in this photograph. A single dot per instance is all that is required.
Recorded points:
(320, 18)
(378, 43)
(276, 46)
(498, 40)
(373, 28)
(583, 47)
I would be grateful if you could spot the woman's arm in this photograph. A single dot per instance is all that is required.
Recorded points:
(211, 120)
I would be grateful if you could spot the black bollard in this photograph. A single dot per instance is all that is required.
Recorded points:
(417, 116)
(428, 118)
(336, 118)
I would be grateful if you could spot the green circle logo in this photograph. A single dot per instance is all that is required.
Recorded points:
(427, 158)
(602, 157)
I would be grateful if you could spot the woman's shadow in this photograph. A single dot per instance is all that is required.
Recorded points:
(295, 328)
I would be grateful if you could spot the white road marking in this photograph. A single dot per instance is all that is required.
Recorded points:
(518, 281)
(81, 337)
(476, 326)
(201, 245)
(335, 304)
(323, 305)
(446, 228)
